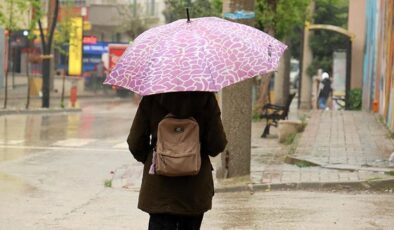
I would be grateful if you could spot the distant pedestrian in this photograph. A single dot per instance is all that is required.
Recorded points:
(325, 91)
(176, 202)
(100, 69)
(100, 73)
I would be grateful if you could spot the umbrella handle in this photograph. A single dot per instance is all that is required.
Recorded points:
(188, 14)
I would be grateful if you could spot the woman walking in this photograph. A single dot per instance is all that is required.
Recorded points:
(177, 202)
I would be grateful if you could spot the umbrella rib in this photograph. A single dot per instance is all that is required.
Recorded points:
(207, 64)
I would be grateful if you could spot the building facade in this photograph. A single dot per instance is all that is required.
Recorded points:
(115, 20)
(378, 59)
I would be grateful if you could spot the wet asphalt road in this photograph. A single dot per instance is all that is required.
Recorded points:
(53, 168)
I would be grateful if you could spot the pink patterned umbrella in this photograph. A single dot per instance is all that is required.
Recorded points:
(205, 54)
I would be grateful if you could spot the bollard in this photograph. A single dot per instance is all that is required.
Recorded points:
(375, 107)
(73, 94)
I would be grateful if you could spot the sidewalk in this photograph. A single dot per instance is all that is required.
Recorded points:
(321, 158)
(337, 150)
(346, 140)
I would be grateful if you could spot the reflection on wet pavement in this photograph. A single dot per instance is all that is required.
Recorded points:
(11, 184)
(99, 120)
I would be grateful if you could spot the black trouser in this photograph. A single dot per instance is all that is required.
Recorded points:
(174, 222)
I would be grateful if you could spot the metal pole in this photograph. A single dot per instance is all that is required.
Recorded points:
(348, 72)
(301, 67)
(8, 56)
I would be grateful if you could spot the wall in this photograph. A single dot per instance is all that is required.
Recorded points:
(355, 19)
(378, 66)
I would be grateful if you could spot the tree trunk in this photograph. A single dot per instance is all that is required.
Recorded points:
(63, 85)
(282, 79)
(13, 67)
(6, 70)
(46, 65)
(28, 81)
(305, 87)
(236, 114)
(47, 47)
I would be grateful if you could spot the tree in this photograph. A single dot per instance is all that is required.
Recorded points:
(281, 18)
(61, 39)
(324, 43)
(12, 13)
(46, 46)
(132, 23)
(175, 9)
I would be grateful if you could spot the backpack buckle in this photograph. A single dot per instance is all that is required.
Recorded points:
(179, 129)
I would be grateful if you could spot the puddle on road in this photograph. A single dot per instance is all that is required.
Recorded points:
(11, 184)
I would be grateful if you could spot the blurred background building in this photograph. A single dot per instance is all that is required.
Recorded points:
(373, 55)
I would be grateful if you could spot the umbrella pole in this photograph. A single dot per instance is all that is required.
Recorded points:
(188, 14)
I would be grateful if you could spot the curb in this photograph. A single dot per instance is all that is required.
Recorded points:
(298, 161)
(307, 163)
(38, 111)
(374, 185)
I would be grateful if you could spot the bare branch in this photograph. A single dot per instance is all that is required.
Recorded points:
(43, 43)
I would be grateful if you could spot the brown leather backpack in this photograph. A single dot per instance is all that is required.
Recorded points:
(178, 147)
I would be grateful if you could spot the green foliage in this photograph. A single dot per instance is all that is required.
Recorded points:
(217, 7)
(323, 43)
(132, 24)
(280, 17)
(290, 139)
(13, 14)
(108, 183)
(256, 111)
(304, 164)
(355, 99)
(283, 19)
(63, 29)
(390, 173)
(304, 122)
(176, 9)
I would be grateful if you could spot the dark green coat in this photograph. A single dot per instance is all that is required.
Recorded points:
(188, 195)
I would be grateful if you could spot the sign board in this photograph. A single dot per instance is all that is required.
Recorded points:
(92, 55)
(115, 52)
(75, 48)
(241, 14)
(89, 40)
(339, 74)
(339, 78)
(87, 26)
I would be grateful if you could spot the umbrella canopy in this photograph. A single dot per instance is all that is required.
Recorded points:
(204, 54)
